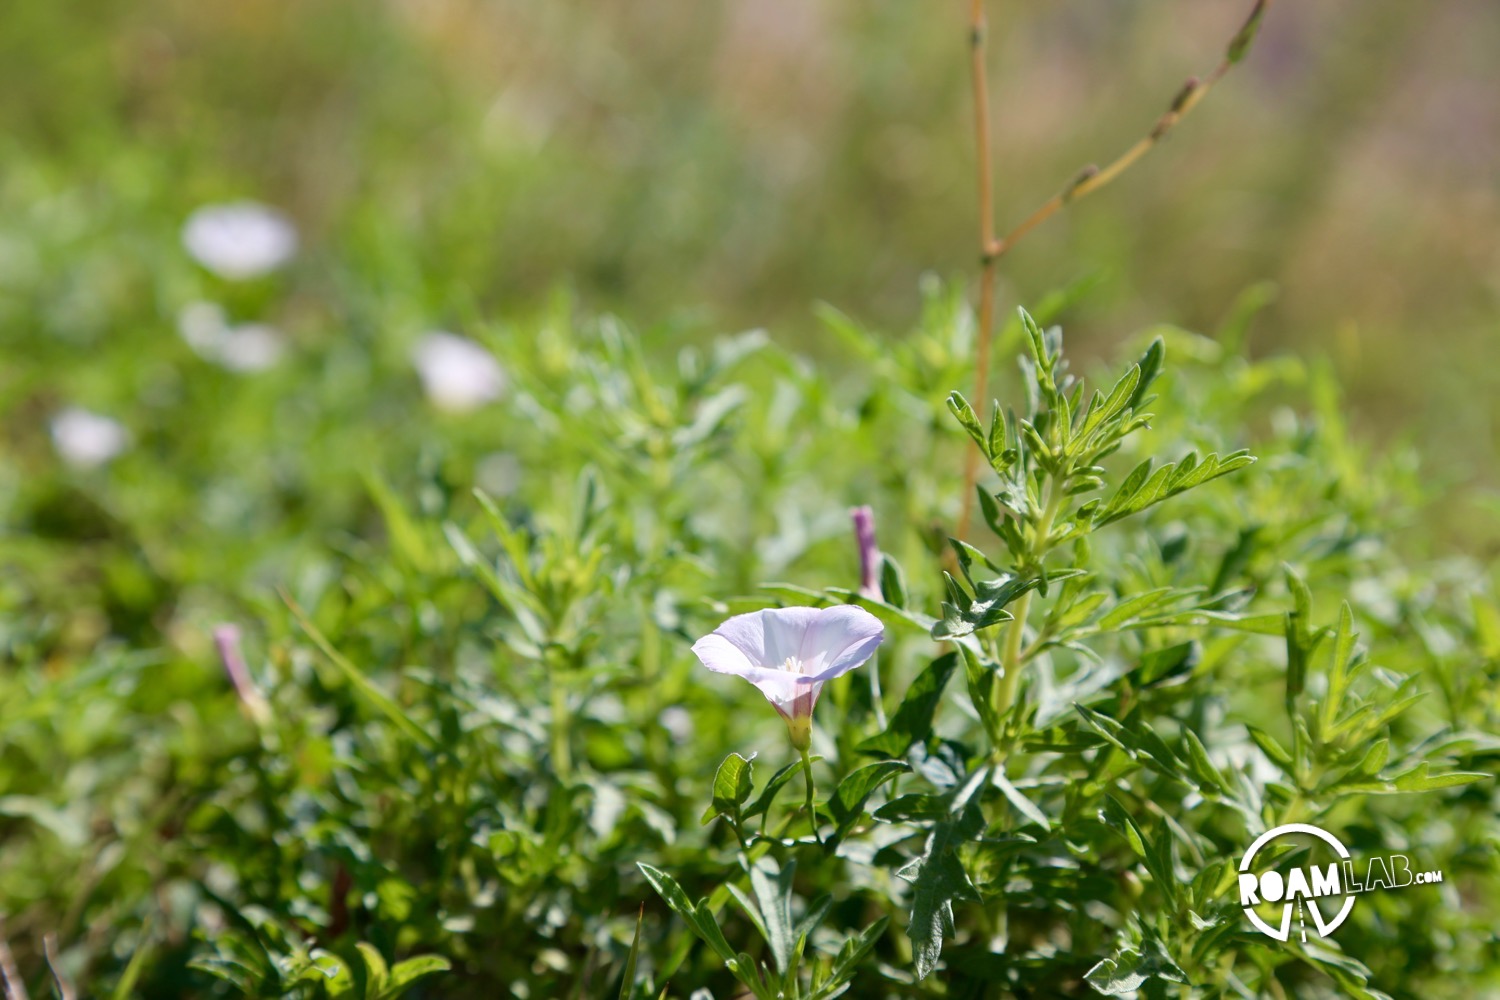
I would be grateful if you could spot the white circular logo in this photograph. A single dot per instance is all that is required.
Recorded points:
(1297, 889)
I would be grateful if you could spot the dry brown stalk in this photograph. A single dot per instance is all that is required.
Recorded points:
(1087, 181)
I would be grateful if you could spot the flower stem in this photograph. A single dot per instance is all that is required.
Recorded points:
(1011, 659)
(812, 812)
(561, 757)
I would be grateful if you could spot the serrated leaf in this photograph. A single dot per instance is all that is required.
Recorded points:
(938, 879)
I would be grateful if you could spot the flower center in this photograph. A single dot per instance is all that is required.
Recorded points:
(793, 665)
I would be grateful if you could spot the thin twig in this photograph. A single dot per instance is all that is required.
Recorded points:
(15, 986)
(65, 989)
(1084, 183)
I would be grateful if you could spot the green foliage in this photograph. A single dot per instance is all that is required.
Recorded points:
(487, 763)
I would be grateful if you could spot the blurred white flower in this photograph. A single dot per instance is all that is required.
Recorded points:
(85, 439)
(202, 326)
(678, 722)
(457, 373)
(239, 240)
(248, 347)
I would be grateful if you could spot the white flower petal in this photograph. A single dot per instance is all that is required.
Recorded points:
(202, 326)
(457, 374)
(788, 653)
(85, 439)
(841, 639)
(239, 240)
(250, 347)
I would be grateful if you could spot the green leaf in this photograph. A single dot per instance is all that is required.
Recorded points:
(1419, 779)
(964, 414)
(627, 982)
(403, 974)
(852, 954)
(1150, 365)
(698, 917)
(1202, 767)
(1164, 664)
(919, 807)
(1023, 805)
(1116, 402)
(981, 680)
(892, 583)
(1338, 669)
(848, 802)
(1131, 967)
(1240, 44)
(1132, 607)
(1143, 488)
(358, 680)
(1272, 749)
(1266, 624)
(938, 878)
(407, 539)
(913, 719)
(126, 986)
(732, 786)
(773, 896)
(1116, 815)
(377, 975)
(1374, 758)
(763, 802)
(987, 609)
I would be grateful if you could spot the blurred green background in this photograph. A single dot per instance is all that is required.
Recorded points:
(505, 169)
(724, 165)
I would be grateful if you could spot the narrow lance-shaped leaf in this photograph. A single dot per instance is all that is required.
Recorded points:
(913, 719)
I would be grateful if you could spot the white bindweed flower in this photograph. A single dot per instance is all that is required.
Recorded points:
(239, 240)
(85, 439)
(457, 373)
(790, 653)
(247, 347)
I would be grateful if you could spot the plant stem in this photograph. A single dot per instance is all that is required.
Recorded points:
(812, 813)
(562, 763)
(978, 27)
(1011, 659)
(1087, 181)
(10, 977)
